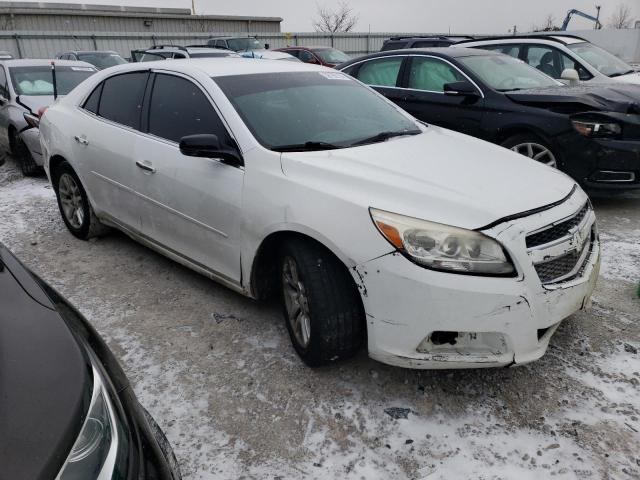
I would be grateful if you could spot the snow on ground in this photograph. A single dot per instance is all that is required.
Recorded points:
(218, 373)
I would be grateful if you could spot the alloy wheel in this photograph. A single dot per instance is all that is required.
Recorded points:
(71, 200)
(296, 302)
(537, 152)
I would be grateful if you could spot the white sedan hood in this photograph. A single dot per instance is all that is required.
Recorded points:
(441, 176)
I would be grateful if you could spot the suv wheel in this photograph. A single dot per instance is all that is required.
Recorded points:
(74, 205)
(322, 306)
(532, 146)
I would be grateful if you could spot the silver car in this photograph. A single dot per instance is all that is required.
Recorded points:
(26, 87)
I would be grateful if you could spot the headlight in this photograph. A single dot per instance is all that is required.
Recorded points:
(32, 120)
(441, 247)
(95, 451)
(596, 129)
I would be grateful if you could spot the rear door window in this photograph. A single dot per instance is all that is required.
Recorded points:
(511, 50)
(306, 56)
(121, 99)
(382, 72)
(393, 46)
(432, 74)
(178, 108)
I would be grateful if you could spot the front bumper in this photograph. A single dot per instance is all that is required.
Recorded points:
(31, 138)
(499, 321)
(603, 164)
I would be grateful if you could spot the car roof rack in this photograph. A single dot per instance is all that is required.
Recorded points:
(432, 37)
(552, 37)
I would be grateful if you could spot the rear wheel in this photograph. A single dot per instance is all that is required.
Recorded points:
(322, 306)
(74, 205)
(532, 146)
(21, 153)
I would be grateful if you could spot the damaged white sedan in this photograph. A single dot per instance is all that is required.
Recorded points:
(442, 251)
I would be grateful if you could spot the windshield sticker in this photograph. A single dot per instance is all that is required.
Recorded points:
(82, 69)
(334, 76)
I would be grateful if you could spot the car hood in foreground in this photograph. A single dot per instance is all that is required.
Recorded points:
(440, 175)
(629, 78)
(45, 385)
(609, 97)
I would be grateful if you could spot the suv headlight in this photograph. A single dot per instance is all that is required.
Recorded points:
(94, 454)
(442, 247)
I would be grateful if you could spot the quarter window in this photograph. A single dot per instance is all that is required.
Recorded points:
(179, 108)
(382, 72)
(121, 99)
(432, 74)
(511, 50)
(93, 100)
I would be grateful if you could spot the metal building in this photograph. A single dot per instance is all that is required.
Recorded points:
(68, 17)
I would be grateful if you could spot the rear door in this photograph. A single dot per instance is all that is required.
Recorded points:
(190, 205)
(383, 74)
(105, 141)
(423, 95)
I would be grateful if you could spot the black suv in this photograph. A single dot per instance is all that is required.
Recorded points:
(397, 43)
(591, 132)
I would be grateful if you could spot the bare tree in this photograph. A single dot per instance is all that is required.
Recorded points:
(549, 25)
(622, 17)
(333, 21)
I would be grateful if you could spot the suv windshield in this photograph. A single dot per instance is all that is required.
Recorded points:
(331, 55)
(504, 73)
(39, 80)
(600, 59)
(242, 44)
(314, 110)
(102, 59)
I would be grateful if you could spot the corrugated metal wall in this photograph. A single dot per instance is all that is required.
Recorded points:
(47, 44)
(42, 22)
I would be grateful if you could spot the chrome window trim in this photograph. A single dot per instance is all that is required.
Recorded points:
(420, 56)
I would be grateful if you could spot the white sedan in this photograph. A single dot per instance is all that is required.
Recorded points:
(442, 251)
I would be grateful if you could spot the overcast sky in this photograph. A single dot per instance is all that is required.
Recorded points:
(457, 16)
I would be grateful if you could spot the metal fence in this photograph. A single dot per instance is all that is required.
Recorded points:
(47, 44)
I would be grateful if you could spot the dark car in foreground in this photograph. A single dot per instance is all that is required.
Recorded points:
(67, 410)
(590, 132)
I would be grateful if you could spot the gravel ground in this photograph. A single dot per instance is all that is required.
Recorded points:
(218, 373)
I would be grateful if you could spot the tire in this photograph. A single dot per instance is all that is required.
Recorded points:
(74, 205)
(534, 147)
(321, 304)
(164, 445)
(21, 153)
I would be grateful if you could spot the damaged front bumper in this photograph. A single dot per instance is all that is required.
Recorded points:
(420, 318)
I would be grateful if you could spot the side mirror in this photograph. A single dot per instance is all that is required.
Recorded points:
(209, 146)
(461, 89)
(571, 76)
(266, 46)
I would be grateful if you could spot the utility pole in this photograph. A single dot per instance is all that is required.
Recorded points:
(193, 7)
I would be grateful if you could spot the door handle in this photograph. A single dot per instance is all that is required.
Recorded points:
(81, 140)
(145, 167)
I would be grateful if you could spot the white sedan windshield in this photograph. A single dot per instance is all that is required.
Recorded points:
(600, 59)
(320, 108)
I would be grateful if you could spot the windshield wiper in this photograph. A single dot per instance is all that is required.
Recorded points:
(619, 74)
(382, 136)
(305, 147)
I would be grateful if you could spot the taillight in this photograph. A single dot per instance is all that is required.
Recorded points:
(41, 111)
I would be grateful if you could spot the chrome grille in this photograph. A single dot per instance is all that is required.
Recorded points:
(561, 268)
(557, 231)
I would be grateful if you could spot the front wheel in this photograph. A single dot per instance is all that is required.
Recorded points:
(74, 205)
(22, 154)
(322, 306)
(532, 146)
